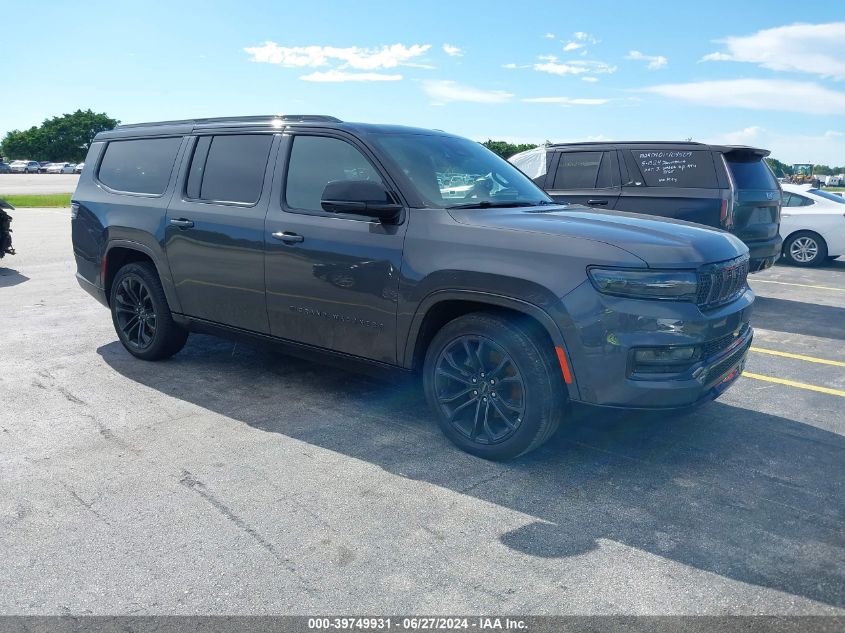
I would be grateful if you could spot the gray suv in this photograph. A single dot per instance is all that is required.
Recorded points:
(412, 251)
(729, 187)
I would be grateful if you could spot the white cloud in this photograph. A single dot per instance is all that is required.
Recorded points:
(826, 148)
(757, 94)
(452, 51)
(567, 100)
(351, 57)
(579, 40)
(335, 76)
(577, 67)
(654, 61)
(549, 36)
(590, 79)
(442, 92)
(510, 66)
(818, 49)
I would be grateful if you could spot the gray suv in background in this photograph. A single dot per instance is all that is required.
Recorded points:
(728, 187)
(353, 242)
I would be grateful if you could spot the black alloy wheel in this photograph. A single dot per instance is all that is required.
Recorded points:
(141, 314)
(479, 389)
(135, 313)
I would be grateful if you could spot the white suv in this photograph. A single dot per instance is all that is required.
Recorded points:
(24, 166)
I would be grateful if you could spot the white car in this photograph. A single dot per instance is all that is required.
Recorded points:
(78, 168)
(24, 166)
(60, 168)
(812, 225)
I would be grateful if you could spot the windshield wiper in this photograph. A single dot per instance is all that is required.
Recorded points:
(495, 204)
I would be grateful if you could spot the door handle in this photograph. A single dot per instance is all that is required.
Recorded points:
(596, 203)
(182, 223)
(287, 237)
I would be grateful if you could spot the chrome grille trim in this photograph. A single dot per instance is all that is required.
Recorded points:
(721, 283)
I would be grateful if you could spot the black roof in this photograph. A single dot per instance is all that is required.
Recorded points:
(259, 122)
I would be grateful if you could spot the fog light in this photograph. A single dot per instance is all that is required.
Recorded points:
(665, 355)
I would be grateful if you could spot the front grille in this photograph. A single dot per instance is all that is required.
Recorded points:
(714, 347)
(722, 368)
(721, 283)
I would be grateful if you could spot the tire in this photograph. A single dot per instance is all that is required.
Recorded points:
(805, 248)
(154, 334)
(513, 353)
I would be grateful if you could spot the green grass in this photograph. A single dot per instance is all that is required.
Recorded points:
(834, 188)
(37, 200)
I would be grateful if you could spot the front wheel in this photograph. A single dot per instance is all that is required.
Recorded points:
(805, 248)
(494, 384)
(141, 315)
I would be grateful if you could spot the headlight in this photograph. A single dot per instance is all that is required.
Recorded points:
(673, 285)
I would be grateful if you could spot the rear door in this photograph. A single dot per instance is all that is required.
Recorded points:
(756, 195)
(584, 176)
(671, 181)
(214, 235)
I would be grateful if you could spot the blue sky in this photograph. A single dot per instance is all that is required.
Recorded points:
(741, 72)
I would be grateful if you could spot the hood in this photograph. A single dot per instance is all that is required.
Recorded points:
(660, 242)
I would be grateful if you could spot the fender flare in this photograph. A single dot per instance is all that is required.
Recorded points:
(537, 313)
(161, 268)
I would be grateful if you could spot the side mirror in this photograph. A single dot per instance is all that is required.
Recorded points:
(359, 197)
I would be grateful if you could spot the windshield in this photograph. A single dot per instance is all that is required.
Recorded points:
(449, 172)
(827, 195)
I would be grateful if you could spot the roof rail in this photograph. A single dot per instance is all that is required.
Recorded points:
(294, 118)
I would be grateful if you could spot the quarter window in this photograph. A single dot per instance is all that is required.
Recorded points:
(676, 168)
(139, 166)
(229, 168)
(316, 161)
(794, 200)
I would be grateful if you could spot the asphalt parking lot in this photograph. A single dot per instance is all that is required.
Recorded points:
(37, 183)
(233, 480)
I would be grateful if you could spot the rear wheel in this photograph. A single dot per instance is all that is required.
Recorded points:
(805, 248)
(141, 315)
(494, 384)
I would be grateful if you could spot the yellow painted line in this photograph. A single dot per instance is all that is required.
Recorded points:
(809, 359)
(792, 383)
(786, 283)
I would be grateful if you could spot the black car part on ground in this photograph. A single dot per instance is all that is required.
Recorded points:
(5, 229)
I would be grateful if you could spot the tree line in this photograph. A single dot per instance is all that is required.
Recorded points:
(61, 138)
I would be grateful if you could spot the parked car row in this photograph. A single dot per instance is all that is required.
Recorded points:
(42, 167)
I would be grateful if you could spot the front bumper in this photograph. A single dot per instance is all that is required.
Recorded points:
(605, 331)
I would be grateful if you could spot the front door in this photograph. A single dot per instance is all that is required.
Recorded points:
(332, 279)
(214, 236)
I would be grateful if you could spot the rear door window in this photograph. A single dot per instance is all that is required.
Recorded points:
(676, 168)
(750, 172)
(139, 166)
(580, 170)
(229, 168)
